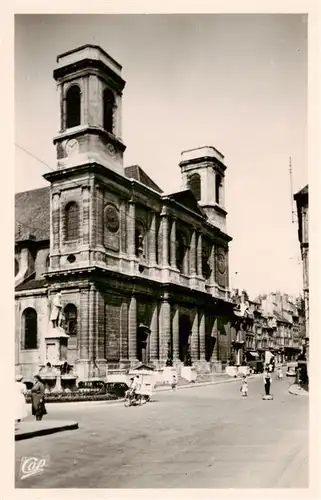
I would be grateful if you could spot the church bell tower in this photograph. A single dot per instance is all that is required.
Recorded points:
(203, 172)
(90, 92)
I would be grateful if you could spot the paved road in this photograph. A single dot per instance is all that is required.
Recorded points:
(206, 437)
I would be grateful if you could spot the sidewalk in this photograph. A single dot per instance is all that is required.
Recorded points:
(27, 430)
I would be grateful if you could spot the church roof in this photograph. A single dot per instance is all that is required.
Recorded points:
(32, 214)
(137, 173)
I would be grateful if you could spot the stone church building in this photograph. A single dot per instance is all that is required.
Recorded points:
(143, 276)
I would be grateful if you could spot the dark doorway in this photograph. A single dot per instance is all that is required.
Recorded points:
(209, 346)
(185, 328)
(142, 342)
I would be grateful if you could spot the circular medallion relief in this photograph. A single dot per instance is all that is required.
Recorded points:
(111, 150)
(221, 264)
(72, 146)
(111, 218)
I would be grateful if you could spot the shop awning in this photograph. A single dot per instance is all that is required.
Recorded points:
(254, 354)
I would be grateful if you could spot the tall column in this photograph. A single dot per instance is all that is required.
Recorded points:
(132, 329)
(152, 240)
(124, 331)
(173, 243)
(176, 333)
(99, 216)
(165, 330)
(199, 255)
(85, 214)
(84, 324)
(131, 229)
(202, 336)
(154, 334)
(91, 336)
(192, 255)
(212, 265)
(165, 240)
(194, 339)
(55, 222)
(215, 333)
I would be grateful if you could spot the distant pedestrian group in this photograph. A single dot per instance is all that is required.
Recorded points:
(38, 408)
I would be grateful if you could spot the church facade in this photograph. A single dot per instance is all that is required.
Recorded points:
(142, 276)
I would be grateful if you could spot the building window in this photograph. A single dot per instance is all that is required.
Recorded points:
(72, 221)
(181, 247)
(16, 267)
(109, 104)
(70, 313)
(206, 270)
(218, 185)
(73, 106)
(194, 184)
(30, 329)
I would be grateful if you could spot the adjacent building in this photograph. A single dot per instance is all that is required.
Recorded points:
(142, 275)
(302, 202)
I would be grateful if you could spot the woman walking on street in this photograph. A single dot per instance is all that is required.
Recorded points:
(267, 381)
(37, 398)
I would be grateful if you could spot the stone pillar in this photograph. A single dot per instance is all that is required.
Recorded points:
(215, 333)
(176, 333)
(202, 336)
(154, 334)
(195, 339)
(192, 255)
(212, 265)
(55, 222)
(173, 243)
(132, 329)
(199, 255)
(165, 237)
(85, 214)
(152, 240)
(91, 335)
(84, 325)
(99, 216)
(124, 332)
(165, 330)
(131, 230)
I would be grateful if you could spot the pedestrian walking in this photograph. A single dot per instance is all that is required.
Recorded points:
(174, 382)
(38, 398)
(20, 400)
(279, 374)
(267, 381)
(244, 386)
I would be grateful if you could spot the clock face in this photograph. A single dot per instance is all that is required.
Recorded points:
(72, 146)
(111, 219)
(111, 150)
(221, 264)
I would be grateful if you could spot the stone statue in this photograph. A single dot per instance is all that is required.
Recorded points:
(56, 311)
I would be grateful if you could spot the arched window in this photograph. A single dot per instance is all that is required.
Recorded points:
(72, 221)
(30, 329)
(73, 106)
(70, 313)
(181, 247)
(194, 184)
(109, 104)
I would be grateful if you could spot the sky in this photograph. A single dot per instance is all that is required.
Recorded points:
(236, 82)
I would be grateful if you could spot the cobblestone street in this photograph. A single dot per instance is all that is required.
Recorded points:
(205, 437)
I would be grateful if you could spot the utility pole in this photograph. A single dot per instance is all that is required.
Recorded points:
(291, 188)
